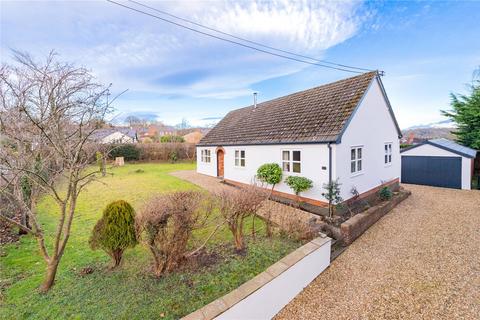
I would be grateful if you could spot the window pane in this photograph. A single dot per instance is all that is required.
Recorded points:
(390, 147)
(390, 158)
(286, 155)
(236, 162)
(242, 162)
(296, 167)
(359, 153)
(286, 166)
(242, 154)
(359, 165)
(236, 153)
(296, 155)
(386, 159)
(352, 167)
(386, 148)
(352, 155)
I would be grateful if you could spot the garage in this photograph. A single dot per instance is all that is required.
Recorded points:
(438, 163)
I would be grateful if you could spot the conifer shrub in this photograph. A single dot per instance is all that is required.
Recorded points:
(115, 231)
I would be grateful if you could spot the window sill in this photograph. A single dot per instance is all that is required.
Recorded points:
(356, 174)
(387, 165)
(239, 167)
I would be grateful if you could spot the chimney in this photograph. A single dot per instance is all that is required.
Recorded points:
(255, 99)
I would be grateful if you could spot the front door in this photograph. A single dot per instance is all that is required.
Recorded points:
(220, 164)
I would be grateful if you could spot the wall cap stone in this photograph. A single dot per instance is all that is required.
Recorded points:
(222, 304)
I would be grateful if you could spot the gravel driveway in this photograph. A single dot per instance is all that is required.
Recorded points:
(420, 261)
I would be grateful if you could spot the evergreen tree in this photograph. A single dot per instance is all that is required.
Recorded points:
(466, 114)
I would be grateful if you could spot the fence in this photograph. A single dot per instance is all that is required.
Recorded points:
(155, 151)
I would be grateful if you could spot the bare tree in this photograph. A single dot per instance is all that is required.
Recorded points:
(167, 223)
(48, 114)
(238, 204)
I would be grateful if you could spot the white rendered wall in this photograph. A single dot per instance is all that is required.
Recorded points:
(267, 301)
(429, 150)
(371, 127)
(209, 168)
(313, 158)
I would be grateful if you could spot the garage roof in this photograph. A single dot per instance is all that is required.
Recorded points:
(448, 145)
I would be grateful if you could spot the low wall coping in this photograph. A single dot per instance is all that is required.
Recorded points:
(222, 304)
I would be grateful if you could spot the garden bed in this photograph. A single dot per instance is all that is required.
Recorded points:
(85, 287)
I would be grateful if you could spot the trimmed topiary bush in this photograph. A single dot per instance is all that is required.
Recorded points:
(270, 173)
(115, 231)
(298, 184)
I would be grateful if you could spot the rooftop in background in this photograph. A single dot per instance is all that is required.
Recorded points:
(105, 132)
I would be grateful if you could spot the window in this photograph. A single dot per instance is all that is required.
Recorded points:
(356, 159)
(388, 153)
(291, 161)
(205, 155)
(240, 158)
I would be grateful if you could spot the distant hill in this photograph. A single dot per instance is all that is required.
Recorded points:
(441, 129)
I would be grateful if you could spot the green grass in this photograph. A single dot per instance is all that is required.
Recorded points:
(130, 292)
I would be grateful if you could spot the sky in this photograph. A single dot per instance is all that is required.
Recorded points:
(426, 49)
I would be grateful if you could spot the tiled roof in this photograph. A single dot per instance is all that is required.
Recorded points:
(314, 115)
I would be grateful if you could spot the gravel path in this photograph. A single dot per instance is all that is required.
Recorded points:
(283, 215)
(420, 261)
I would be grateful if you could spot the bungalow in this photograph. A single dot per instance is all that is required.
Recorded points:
(344, 130)
(115, 135)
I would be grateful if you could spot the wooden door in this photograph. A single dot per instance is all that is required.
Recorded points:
(220, 163)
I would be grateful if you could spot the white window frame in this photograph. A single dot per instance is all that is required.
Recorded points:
(206, 155)
(355, 160)
(387, 158)
(238, 158)
(287, 164)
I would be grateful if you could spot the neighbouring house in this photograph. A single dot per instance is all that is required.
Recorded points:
(439, 163)
(153, 132)
(344, 130)
(193, 137)
(115, 135)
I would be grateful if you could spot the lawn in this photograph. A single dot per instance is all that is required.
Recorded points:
(130, 292)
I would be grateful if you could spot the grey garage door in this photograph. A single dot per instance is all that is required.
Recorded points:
(432, 171)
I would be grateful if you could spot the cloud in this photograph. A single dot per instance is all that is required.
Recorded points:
(149, 56)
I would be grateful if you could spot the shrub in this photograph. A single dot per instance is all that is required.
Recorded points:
(115, 231)
(385, 193)
(166, 224)
(173, 156)
(332, 194)
(270, 173)
(238, 204)
(128, 151)
(298, 184)
(171, 138)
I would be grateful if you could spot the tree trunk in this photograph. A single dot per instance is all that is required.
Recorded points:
(239, 246)
(104, 166)
(253, 226)
(117, 257)
(50, 276)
